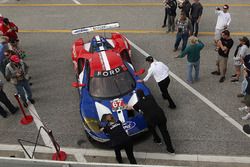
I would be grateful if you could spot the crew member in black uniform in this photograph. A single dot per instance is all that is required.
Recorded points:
(4, 99)
(154, 116)
(118, 137)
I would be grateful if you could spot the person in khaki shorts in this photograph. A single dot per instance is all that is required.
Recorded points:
(223, 46)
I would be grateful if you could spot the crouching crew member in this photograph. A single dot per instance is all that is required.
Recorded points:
(118, 137)
(154, 116)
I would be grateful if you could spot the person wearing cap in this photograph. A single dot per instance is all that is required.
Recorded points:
(195, 16)
(193, 57)
(10, 30)
(223, 22)
(154, 117)
(4, 99)
(16, 71)
(119, 138)
(239, 55)
(160, 71)
(224, 45)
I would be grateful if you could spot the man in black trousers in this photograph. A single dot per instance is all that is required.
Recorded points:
(161, 75)
(195, 16)
(154, 117)
(118, 137)
(166, 13)
(4, 99)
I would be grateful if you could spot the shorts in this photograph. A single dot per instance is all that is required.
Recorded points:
(217, 34)
(222, 62)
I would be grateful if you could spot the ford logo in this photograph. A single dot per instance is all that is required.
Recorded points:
(129, 125)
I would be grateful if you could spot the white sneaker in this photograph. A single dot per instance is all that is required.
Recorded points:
(246, 117)
(245, 108)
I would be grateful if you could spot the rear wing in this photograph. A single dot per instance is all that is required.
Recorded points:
(95, 28)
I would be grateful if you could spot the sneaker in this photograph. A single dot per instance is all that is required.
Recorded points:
(235, 80)
(174, 50)
(32, 101)
(245, 108)
(171, 151)
(25, 104)
(168, 31)
(163, 26)
(215, 73)
(234, 75)
(240, 95)
(222, 79)
(173, 106)
(157, 141)
(246, 117)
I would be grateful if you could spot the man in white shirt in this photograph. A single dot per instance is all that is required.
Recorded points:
(223, 21)
(161, 75)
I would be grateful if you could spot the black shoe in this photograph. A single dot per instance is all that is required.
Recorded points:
(173, 106)
(15, 110)
(157, 141)
(215, 73)
(4, 114)
(235, 80)
(174, 50)
(163, 26)
(30, 83)
(32, 101)
(222, 79)
(172, 151)
(25, 104)
(234, 75)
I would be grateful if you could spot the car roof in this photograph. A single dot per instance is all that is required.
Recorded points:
(105, 61)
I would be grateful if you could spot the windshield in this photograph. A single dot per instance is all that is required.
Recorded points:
(112, 85)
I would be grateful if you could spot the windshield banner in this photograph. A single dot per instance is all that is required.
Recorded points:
(95, 28)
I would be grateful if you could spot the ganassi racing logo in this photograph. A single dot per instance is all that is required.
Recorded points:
(129, 125)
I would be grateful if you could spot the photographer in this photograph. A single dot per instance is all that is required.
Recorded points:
(184, 28)
(15, 72)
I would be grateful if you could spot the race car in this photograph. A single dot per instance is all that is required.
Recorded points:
(106, 81)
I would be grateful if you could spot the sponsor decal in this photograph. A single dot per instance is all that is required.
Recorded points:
(108, 72)
(129, 125)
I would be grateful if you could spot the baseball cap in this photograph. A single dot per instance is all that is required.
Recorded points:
(244, 39)
(225, 7)
(15, 59)
(150, 59)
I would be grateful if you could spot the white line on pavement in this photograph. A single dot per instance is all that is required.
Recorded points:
(196, 93)
(141, 155)
(76, 1)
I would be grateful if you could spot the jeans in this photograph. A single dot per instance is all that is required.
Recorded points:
(22, 87)
(171, 23)
(190, 66)
(195, 27)
(184, 38)
(244, 86)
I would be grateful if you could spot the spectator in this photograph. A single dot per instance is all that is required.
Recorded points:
(161, 74)
(154, 116)
(247, 98)
(7, 54)
(3, 48)
(118, 137)
(184, 27)
(4, 99)
(166, 13)
(10, 30)
(193, 57)
(16, 72)
(171, 5)
(246, 67)
(185, 7)
(239, 56)
(224, 45)
(195, 16)
(223, 21)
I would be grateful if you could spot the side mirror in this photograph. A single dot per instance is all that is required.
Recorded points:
(140, 72)
(77, 85)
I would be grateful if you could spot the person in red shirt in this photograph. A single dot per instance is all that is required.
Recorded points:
(10, 30)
